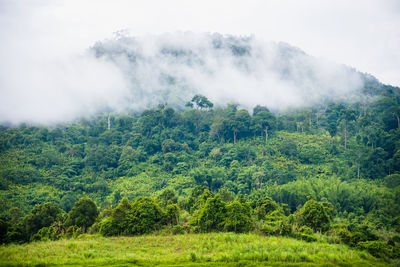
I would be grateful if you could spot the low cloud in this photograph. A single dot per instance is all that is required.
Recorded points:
(134, 73)
(172, 67)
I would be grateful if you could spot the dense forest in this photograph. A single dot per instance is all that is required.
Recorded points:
(330, 171)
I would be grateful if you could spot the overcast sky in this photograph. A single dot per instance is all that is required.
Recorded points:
(41, 39)
(364, 34)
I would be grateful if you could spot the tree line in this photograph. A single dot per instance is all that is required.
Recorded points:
(344, 154)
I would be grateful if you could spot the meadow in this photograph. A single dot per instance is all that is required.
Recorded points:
(212, 249)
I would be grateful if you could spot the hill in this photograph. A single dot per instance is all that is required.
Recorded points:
(326, 169)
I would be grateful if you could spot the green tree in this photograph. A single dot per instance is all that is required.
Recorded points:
(201, 102)
(262, 122)
(67, 202)
(238, 217)
(117, 223)
(42, 215)
(167, 197)
(314, 215)
(239, 123)
(172, 214)
(212, 214)
(145, 216)
(83, 214)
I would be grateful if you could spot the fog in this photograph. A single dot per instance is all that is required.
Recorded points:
(131, 73)
(51, 70)
(171, 68)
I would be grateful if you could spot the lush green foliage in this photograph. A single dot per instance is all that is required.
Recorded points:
(314, 215)
(334, 169)
(83, 213)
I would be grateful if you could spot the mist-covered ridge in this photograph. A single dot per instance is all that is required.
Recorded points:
(134, 73)
(173, 67)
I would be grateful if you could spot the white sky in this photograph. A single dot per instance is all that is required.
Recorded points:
(43, 78)
(364, 34)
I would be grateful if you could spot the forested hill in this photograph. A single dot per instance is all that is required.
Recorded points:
(345, 156)
(171, 68)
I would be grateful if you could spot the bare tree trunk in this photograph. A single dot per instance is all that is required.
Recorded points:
(109, 122)
(365, 108)
(398, 119)
(234, 137)
(266, 134)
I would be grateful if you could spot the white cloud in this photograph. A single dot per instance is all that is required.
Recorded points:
(43, 41)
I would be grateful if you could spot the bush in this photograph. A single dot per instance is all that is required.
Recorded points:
(212, 215)
(268, 230)
(177, 230)
(83, 213)
(45, 234)
(306, 230)
(376, 248)
(345, 236)
(238, 218)
(172, 214)
(145, 216)
(108, 227)
(73, 231)
(314, 215)
(305, 233)
(284, 228)
(305, 237)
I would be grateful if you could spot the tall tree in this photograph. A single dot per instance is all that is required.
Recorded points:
(83, 213)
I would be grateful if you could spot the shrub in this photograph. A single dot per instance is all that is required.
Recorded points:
(83, 213)
(314, 215)
(172, 214)
(306, 230)
(238, 217)
(268, 230)
(284, 228)
(108, 227)
(307, 238)
(145, 216)
(212, 215)
(177, 230)
(44, 234)
(376, 248)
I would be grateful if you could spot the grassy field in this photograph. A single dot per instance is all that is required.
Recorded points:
(220, 249)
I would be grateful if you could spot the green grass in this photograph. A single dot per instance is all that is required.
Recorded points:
(216, 249)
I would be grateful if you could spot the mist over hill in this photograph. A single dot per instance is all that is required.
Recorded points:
(173, 67)
(127, 73)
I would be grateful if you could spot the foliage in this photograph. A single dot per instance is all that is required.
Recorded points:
(42, 215)
(211, 215)
(83, 213)
(238, 217)
(314, 215)
(145, 216)
(209, 169)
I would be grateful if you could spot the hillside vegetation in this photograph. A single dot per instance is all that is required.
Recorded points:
(328, 174)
